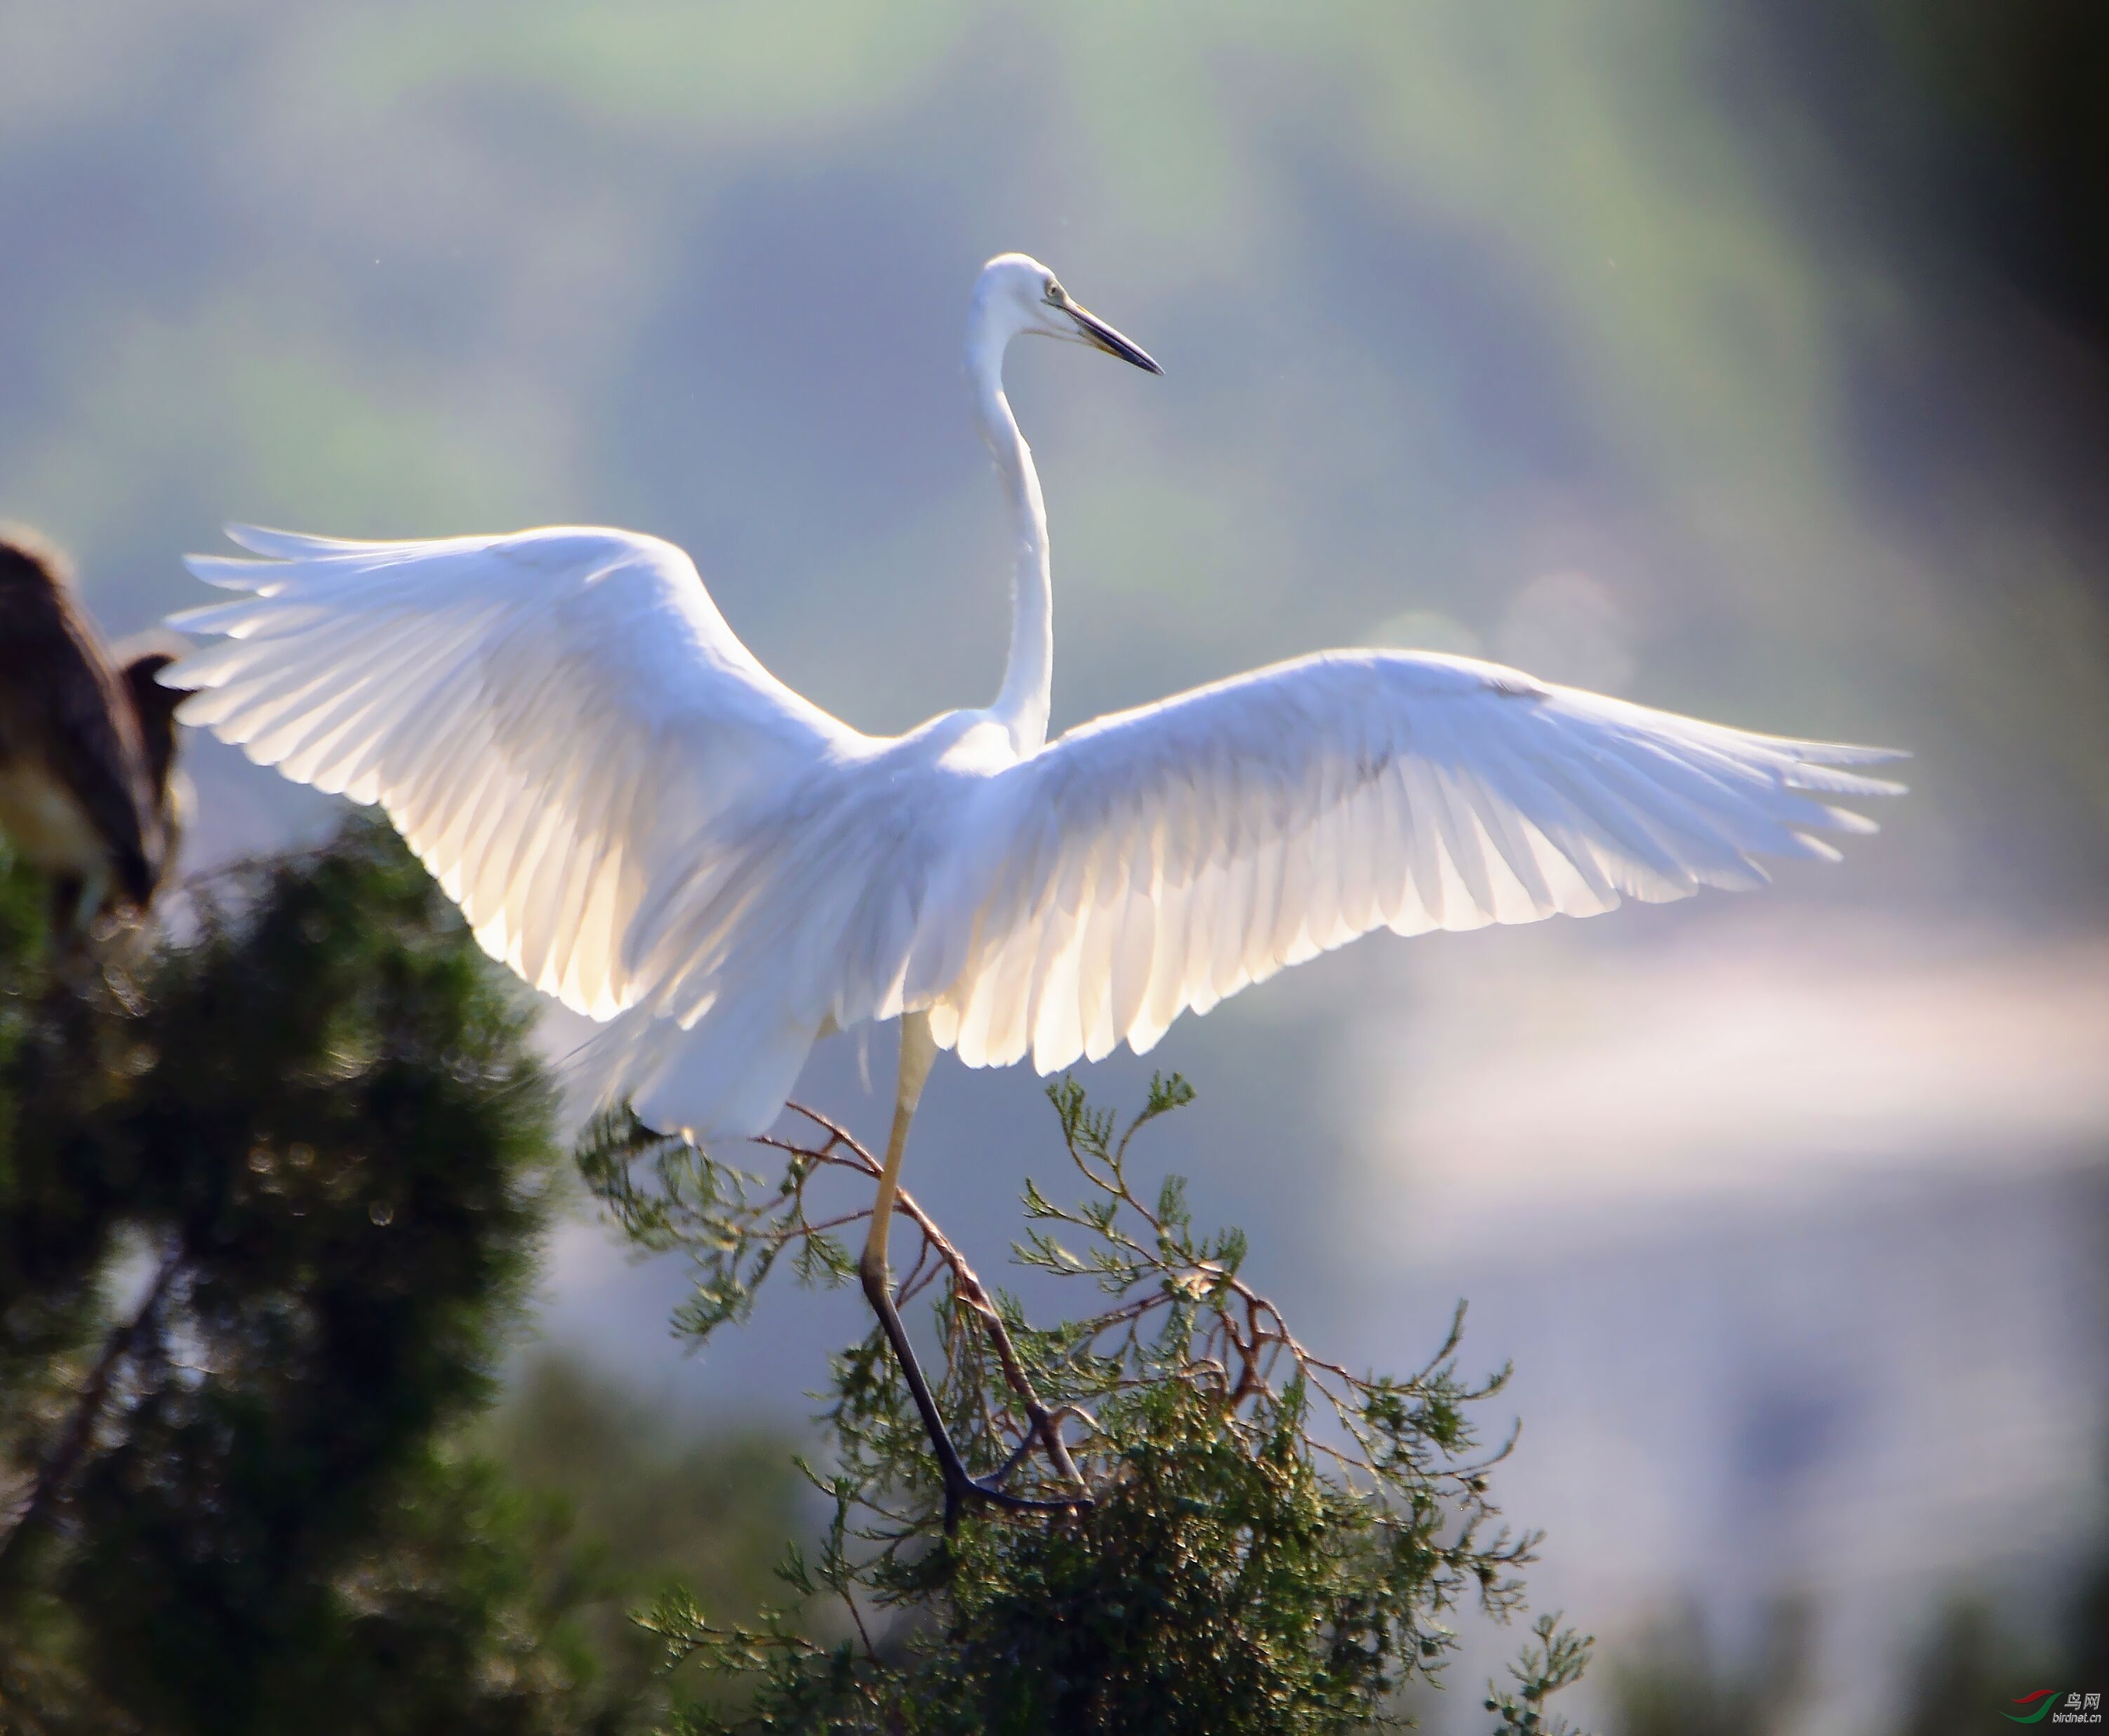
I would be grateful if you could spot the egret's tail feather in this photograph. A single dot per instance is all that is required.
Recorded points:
(725, 1078)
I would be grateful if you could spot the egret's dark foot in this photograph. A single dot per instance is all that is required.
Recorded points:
(962, 1489)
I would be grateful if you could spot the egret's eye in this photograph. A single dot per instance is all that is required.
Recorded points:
(1055, 293)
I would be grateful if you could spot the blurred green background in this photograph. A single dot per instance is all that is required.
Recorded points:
(1743, 358)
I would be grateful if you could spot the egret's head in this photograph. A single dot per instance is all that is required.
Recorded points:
(1019, 297)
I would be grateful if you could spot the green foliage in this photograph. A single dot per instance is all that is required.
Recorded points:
(1970, 1669)
(309, 1141)
(269, 1202)
(644, 1505)
(1674, 1684)
(1970, 1666)
(1272, 1542)
(1556, 1662)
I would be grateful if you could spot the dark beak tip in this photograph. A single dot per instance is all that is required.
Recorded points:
(1133, 353)
(1098, 332)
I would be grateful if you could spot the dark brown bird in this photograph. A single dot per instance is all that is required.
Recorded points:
(154, 710)
(78, 779)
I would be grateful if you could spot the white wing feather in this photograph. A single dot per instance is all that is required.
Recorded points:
(638, 819)
(560, 722)
(1163, 859)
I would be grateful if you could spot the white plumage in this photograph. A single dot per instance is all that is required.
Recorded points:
(641, 820)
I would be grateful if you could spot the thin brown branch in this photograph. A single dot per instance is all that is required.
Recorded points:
(966, 1285)
(796, 1230)
(1241, 1339)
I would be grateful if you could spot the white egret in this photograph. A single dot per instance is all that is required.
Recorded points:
(642, 820)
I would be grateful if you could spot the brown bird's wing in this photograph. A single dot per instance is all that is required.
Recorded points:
(64, 712)
(154, 710)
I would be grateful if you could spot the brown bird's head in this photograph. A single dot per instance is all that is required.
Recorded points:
(27, 560)
(79, 799)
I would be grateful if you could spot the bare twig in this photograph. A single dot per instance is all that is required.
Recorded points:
(966, 1285)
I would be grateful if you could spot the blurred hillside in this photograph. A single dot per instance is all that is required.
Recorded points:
(1742, 359)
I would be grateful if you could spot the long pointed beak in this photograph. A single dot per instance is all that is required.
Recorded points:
(1100, 336)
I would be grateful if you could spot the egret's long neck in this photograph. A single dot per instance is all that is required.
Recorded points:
(1028, 674)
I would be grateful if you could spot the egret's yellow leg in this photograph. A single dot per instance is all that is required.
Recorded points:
(918, 1049)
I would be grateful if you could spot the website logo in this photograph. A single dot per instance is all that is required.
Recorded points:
(2047, 1705)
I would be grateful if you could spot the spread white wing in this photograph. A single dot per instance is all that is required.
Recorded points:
(1163, 859)
(559, 722)
(638, 818)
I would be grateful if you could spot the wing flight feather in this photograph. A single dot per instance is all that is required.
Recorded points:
(1161, 860)
(559, 722)
(638, 818)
